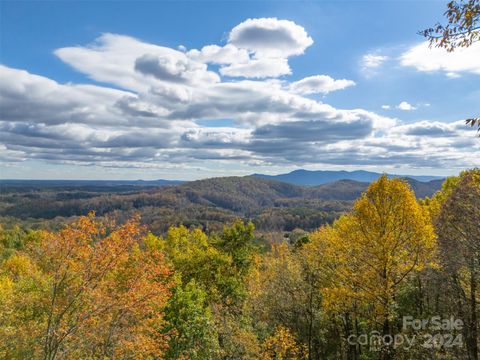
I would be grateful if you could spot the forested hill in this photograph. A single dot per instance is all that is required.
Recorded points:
(258, 192)
(273, 205)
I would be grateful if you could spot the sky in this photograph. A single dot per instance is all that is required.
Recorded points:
(189, 90)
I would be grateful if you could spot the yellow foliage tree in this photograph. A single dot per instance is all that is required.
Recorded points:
(372, 250)
(281, 346)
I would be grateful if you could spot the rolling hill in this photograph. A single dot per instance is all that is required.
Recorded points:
(271, 204)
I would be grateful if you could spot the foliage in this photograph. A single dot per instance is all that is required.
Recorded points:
(90, 290)
(474, 121)
(435, 203)
(237, 241)
(459, 238)
(285, 293)
(97, 290)
(462, 29)
(190, 321)
(369, 253)
(387, 237)
(281, 346)
(209, 204)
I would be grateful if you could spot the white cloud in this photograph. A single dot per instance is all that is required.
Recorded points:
(319, 84)
(430, 128)
(270, 37)
(112, 127)
(426, 59)
(153, 123)
(228, 54)
(215, 137)
(385, 107)
(258, 68)
(111, 58)
(452, 75)
(28, 97)
(406, 106)
(256, 48)
(372, 61)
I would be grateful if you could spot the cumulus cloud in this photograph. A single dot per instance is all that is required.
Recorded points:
(322, 84)
(162, 115)
(256, 48)
(405, 106)
(163, 68)
(270, 37)
(426, 59)
(112, 58)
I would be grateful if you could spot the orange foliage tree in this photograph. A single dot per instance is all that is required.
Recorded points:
(101, 294)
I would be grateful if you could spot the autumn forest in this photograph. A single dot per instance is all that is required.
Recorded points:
(101, 288)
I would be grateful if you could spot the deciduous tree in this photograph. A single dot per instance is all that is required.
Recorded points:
(459, 239)
(372, 250)
(91, 291)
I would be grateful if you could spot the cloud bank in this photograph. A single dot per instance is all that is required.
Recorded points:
(163, 105)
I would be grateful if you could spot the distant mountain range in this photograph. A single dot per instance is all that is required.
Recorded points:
(297, 177)
(87, 183)
(319, 177)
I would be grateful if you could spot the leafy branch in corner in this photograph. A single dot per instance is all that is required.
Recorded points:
(474, 121)
(462, 30)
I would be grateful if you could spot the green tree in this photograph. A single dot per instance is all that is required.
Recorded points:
(237, 241)
(194, 257)
(218, 266)
(190, 323)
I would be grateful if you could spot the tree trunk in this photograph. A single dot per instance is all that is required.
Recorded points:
(387, 352)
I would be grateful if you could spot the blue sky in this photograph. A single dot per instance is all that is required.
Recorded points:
(373, 97)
